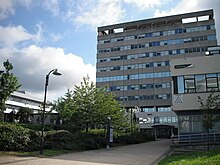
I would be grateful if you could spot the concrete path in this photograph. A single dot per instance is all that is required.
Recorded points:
(140, 154)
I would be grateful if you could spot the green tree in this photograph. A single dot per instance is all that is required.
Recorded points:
(209, 108)
(24, 115)
(8, 84)
(89, 107)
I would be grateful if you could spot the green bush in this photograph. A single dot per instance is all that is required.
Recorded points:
(91, 141)
(17, 138)
(65, 140)
(134, 138)
(60, 140)
(36, 127)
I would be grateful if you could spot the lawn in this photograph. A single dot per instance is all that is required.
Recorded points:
(211, 157)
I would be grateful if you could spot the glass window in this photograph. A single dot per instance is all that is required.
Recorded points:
(169, 120)
(200, 83)
(212, 84)
(189, 82)
(212, 37)
(219, 81)
(180, 84)
(173, 119)
(165, 119)
(148, 109)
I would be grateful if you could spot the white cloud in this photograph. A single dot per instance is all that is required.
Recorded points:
(102, 13)
(55, 37)
(143, 4)
(32, 63)
(12, 35)
(7, 7)
(53, 6)
(86, 12)
(96, 13)
(185, 6)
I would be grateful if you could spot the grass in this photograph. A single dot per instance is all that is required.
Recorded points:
(47, 153)
(211, 157)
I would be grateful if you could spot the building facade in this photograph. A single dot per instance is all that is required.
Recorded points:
(133, 59)
(20, 100)
(193, 77)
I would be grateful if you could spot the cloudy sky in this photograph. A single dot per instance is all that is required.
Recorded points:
(40, 35)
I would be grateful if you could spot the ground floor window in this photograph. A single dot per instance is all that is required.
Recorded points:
(193, 124)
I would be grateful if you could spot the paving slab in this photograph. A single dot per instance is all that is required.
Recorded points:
(148, 153)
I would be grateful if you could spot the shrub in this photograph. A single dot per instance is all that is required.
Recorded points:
(17, 138)
(36, 127)
(91, 141)
(34, 143)
(65, 140)
(134, 138)
(61, 140)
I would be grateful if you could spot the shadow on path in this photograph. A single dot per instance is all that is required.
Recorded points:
(139, 154)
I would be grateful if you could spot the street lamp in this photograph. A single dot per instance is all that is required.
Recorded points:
(156, 120)
(108, 131)
(135, 110)
(55, 72)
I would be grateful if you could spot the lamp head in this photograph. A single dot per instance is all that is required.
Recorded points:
(55, 72)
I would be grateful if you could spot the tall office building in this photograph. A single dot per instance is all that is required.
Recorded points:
(133, 59)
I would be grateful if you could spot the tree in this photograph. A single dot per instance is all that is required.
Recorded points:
(8, 84)
(209, 108)
(24, 115)
(90, 107)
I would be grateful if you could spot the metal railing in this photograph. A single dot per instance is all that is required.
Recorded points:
(213, 137)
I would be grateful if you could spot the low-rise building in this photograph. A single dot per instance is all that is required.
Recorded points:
(20, 100)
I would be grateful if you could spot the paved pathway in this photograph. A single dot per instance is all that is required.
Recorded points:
(140, 154)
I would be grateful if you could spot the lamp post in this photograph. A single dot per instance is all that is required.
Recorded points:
(55, 72)
(156, 120)
(133, 111)
(109, 133)
(1, 89)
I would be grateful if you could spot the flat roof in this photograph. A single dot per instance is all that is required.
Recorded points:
(179, 17)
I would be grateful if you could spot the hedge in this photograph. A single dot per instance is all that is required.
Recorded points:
(17, 138)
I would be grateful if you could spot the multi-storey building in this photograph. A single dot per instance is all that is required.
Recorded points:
(133, 59)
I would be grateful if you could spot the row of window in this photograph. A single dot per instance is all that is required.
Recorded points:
(158, 43)
(197, 83)
(153, 54)
(144, 97)
(159, 33)
(135, 66)
(138, 87)
(156, 109)
(162, 119)
(133, 76)
(193, 124)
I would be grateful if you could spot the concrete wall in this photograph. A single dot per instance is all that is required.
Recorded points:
(200, 65)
